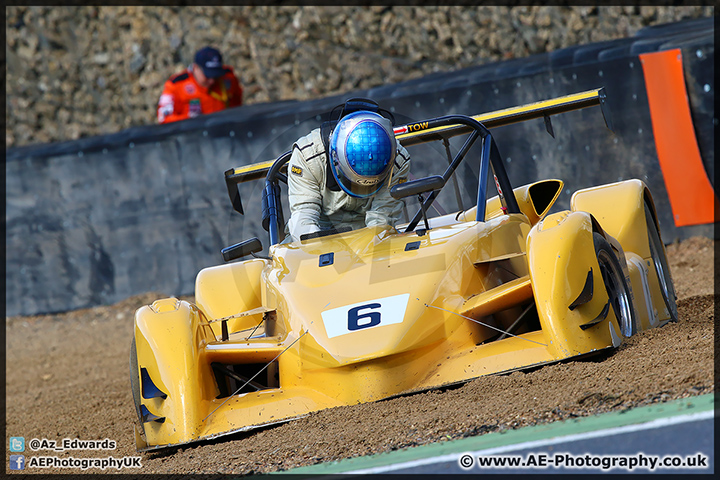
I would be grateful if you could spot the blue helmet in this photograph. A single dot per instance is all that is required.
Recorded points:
(362, 153)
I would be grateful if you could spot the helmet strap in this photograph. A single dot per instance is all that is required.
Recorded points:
(331, 184)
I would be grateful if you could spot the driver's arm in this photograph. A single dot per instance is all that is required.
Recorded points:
(304, 186)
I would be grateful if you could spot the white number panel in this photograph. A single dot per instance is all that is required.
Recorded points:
(364, 315)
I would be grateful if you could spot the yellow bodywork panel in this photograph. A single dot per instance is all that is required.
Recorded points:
(232, 292)
(534, 201)
(558, 279)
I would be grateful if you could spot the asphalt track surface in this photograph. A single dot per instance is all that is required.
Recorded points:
(680, 433)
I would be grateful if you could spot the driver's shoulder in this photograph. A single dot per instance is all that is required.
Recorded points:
(310, 146)
(309, 154)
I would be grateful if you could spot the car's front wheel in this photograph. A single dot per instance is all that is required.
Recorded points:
(616, 285)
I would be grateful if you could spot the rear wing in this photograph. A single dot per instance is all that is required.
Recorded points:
(421, 132)
(429, 130)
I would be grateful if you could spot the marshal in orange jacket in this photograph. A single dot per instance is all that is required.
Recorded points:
(183, 97)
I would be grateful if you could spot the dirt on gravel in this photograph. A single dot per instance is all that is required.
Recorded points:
(67, 378)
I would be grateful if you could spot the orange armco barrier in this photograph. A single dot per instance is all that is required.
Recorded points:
(692, 198)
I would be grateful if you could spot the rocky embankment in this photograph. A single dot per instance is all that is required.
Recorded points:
(81, 71)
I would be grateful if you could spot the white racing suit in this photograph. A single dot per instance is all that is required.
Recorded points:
(314, 206)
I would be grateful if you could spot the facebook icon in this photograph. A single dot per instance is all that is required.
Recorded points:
(17, 462)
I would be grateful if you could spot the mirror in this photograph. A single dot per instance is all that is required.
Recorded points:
(241, 249)
(417, 186)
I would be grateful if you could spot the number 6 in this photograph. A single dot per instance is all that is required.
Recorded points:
(370, 318)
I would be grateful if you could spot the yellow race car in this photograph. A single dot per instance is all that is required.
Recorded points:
(346, 317)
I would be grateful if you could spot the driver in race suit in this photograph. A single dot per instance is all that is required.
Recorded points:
(340, 175)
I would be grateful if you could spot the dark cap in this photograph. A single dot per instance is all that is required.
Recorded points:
(211, 62)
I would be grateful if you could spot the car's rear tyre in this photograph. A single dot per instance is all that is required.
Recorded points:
(659, 260)
(616, 285)
(135, 379)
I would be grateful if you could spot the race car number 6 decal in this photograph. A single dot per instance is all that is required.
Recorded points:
(364, 315)
(354, 318)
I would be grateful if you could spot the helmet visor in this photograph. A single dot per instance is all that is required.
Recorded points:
(357, 188)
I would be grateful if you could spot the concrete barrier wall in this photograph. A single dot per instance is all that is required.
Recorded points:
(94, 221)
